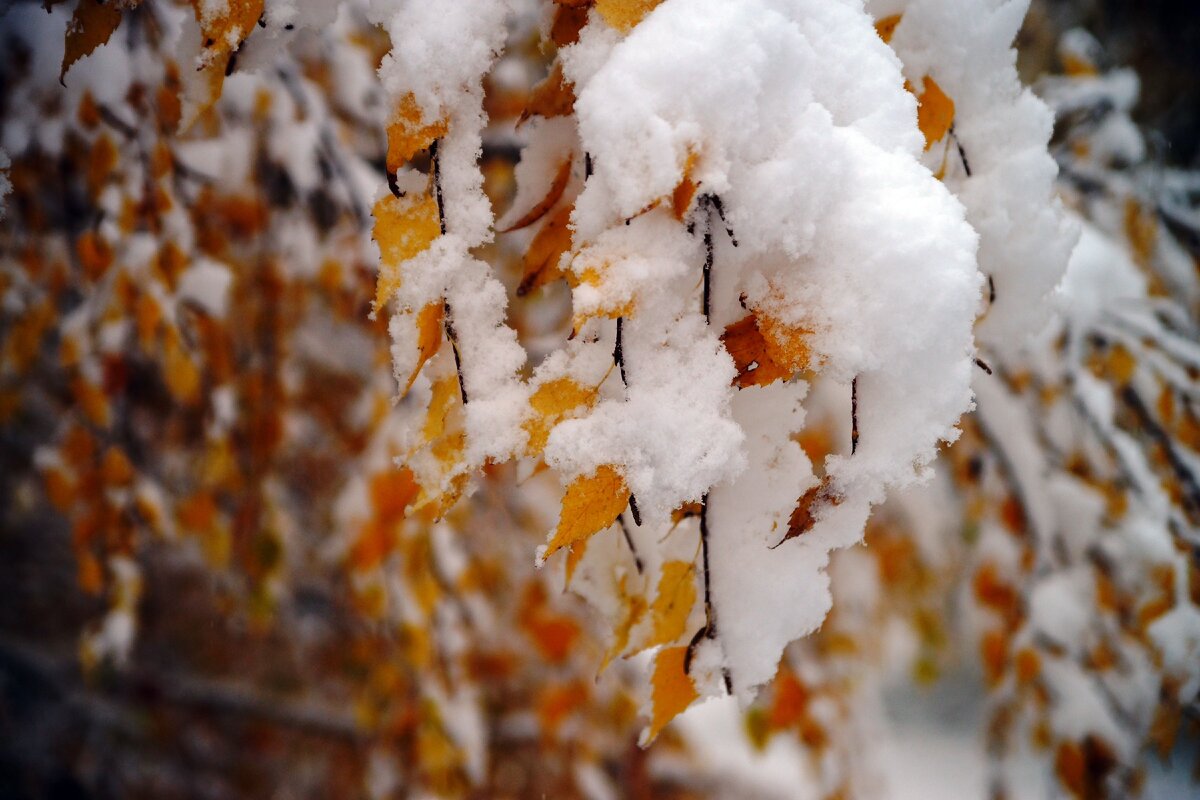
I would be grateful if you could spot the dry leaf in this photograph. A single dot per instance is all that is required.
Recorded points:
(672, 690)
(624, 14)
(561, 178)
(545, 251)
(91, 26)
(404, 226)
(591, 504)
(569, 19)
(809, 506)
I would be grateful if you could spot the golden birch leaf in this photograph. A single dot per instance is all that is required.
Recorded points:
(429, 338)
(409, 134)
(551, 402)
(221, 35)
(935, 112)
(91, 26)
(625, 14)
(574, 556)
(561, 178)
(554, 96)
(545, 251)
(635, 609)
(748, 349)
(404, 227)
(685, 192)
(672, 690)
(673, 603)
(590, 504)
(886, 27)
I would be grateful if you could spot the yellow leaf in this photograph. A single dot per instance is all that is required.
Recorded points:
(445, 391)
(624, 14)
(935, 112)
(673, 603)
(551, 402)
(91, 26)
(561, 178)
(574, 556)
(591, 504)
(429, 338)
(222, 35)
(886, 27)
(404, 226)
(545, 251)
(635, 609)
(672, 690)
(409, 134)
(553, 97)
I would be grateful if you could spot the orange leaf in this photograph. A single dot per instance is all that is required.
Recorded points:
(748, 349)
(591, 504)
(404, 227)
(561, 178)
(408, 133)
(683, 194)
(569, 19)
(554, 96)
(672, 690)
(545, 251)
(887, 26)
(673, 603)
(804, 515)
(624, 14)
(935, 112)
(91, 26)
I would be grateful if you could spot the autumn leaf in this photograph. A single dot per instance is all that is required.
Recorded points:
(590, 504)
(404, 227)
(545, 251)
(625, 14)
(569, 19)
(935, 111)
(408, 133)
(635, 608)
(672, 690)
(561, 178)
(685, 191)
(554, 96)
(748, 349)
(222, 35)
(91, 26)
(673, 602)
(551, 402)
(886, 27)
(809, 507)
(429, 338)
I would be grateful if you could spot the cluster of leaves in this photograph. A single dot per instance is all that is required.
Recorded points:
(195, 376)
